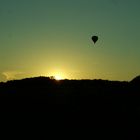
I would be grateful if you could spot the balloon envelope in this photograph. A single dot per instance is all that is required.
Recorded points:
(94, 39)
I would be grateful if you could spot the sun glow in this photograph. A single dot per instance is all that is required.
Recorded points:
(57, 74)
(58, 77)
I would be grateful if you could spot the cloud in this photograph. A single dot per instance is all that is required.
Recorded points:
(10, 75)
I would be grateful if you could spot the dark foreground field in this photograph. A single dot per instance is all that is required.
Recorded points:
(71, 96)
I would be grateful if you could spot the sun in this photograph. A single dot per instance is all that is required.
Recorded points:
(58, 77)
(57, 74)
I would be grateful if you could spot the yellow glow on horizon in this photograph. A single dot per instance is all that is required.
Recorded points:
(57, 74)
(58, 77)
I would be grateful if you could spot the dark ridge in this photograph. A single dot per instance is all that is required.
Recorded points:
(136, 80)
(46, 94)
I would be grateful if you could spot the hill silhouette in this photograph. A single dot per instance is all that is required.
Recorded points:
(136, 80)
(79, 96)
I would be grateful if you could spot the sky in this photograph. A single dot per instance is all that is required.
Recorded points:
(53, 38)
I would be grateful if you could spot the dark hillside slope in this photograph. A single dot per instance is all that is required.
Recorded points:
(90, 96)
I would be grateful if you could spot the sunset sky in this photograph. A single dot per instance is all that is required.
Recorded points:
(53, 38)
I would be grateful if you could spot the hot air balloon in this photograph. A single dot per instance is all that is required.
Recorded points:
(94, 39)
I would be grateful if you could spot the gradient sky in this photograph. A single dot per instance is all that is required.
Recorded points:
(53, 37)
